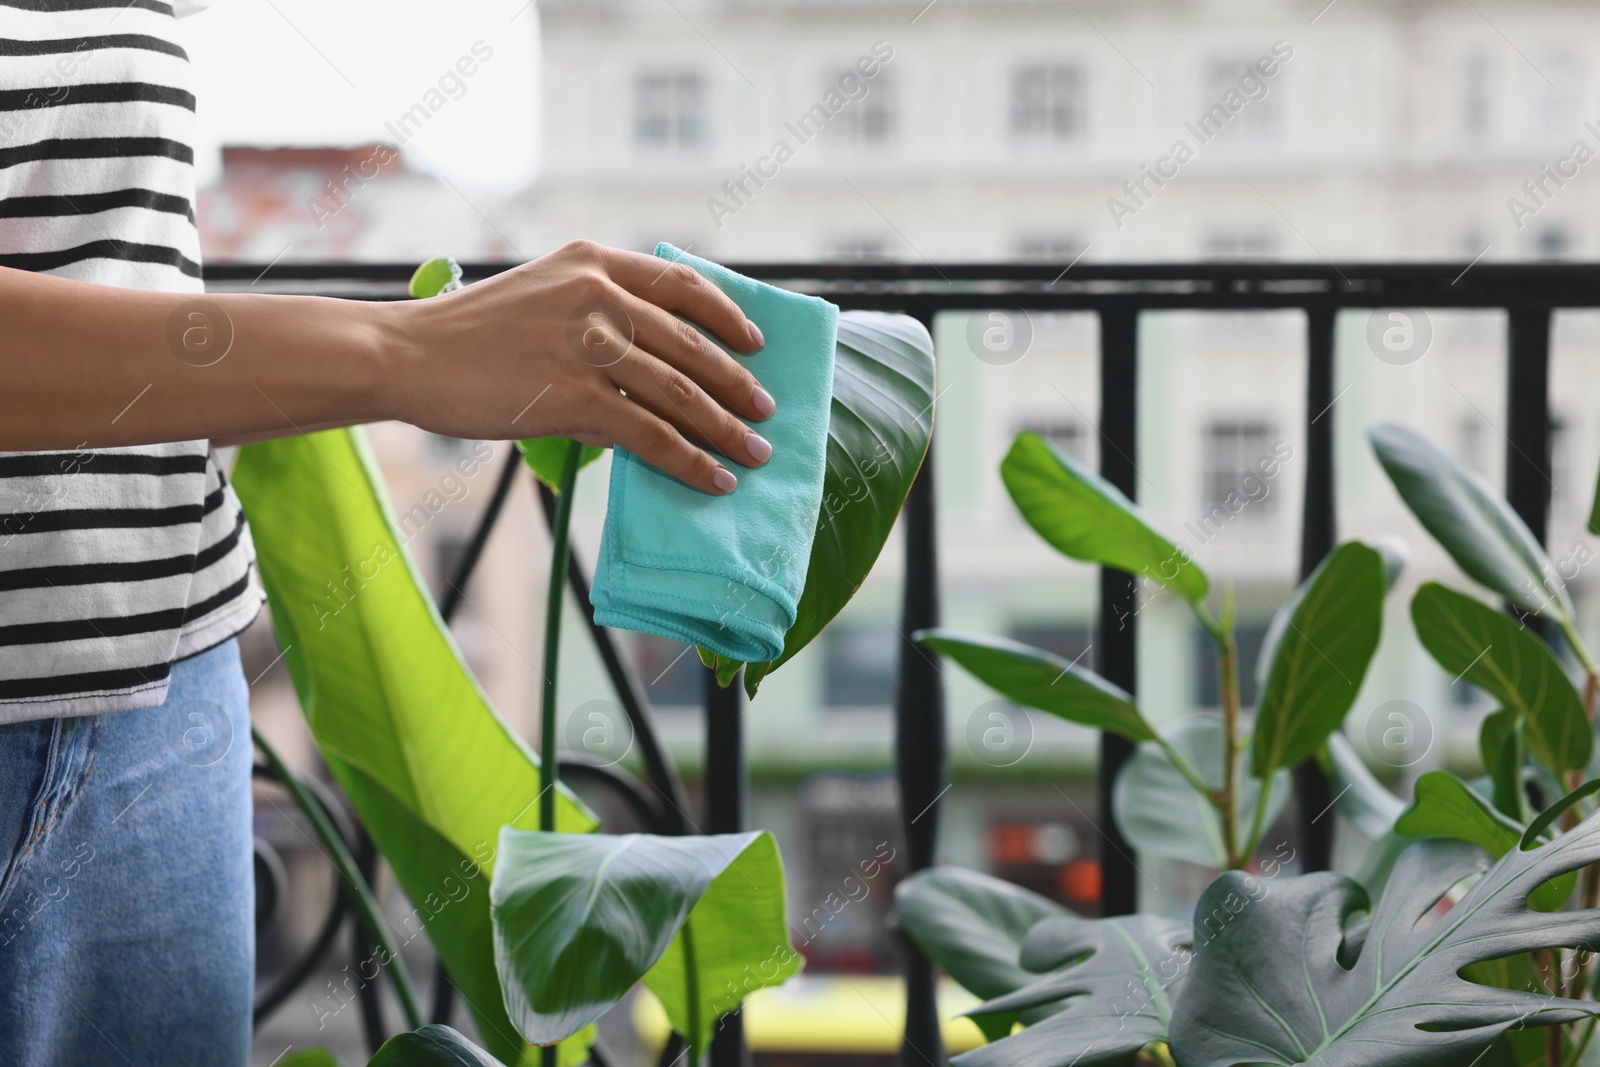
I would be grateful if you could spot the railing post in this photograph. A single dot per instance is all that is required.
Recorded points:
(1118, 647)
(920, 756)
(727, 792)
(1318, 530)
(1528, 416)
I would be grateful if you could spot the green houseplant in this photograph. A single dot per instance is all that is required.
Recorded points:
(542, 923)
(1468, 933)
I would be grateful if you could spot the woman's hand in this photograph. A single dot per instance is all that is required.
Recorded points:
(588, 343)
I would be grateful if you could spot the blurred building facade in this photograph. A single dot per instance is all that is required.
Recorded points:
(990, 130)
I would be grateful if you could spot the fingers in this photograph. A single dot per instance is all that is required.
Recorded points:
(680, 288)
(654, 440)
(672, 395)
(678, 344)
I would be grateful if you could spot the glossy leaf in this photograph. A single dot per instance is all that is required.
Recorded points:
(879, 425)
(1329, 635)
(438, 275)
(1158, 810)
(1488, 540)
(1118, 979)
(1035, 678)
(1358, 795)
(1086, 517)
(392, 705)
(1292, 979)
(579, 919)
(1486, 647)
(546, 456)
(1443, 806)
(432, 1046)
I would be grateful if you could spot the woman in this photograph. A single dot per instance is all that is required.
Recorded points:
(125, 564)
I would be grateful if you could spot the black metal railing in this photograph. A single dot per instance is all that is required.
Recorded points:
(1529, 293)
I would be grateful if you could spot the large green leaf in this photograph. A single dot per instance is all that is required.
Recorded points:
(1358, 795)
(579, 919)
(1158, 810)
(1118, 978)
(973, 926)
(432, 1046)
(1471, 640)
(1480, 531)
(1037, 679)
(1330, 634)
(879, 425)
(1086, 517)
(1290, 978)
(1444, 806)
(431, 769)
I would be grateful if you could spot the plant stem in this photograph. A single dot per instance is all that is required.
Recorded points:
(345, 864)
(1228, 683)
(1579, 649)
(549, 771)
(1582, 1043)
(549, 774)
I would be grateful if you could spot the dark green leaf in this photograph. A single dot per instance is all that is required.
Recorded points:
(546, 456)
(1086, 517)
(1548, 816)
(1480, 531)
(1290, 979)
(432, 1046)
(1037, 679)
(1329, 637)
(879, 426)
(972, 925)
(1500, 746)
(1159, 811)
(1471, 640)
(579, 919)
(1118, 978)
(1359, 797)
(430, 767)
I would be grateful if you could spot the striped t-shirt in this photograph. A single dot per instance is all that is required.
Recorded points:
(114, 563)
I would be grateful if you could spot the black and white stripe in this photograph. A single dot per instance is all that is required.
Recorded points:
(114, 563)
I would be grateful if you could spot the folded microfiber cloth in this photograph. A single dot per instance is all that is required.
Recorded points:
(726, 572)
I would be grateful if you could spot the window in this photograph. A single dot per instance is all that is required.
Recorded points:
(1242, 243)
(1472, 444)
(859, 249)
(871, 115)
(1553, 242)
(1476, 95)
(1049, 102)
(1558, 91)
(1073, 642)
(1060, 248)
(670, 111)
(859, 665)
(1227, 83)
(1248, 635)
(1235, 486)
(670, 671)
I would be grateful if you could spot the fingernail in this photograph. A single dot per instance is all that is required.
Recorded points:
(755, 335)
(724, 480)
(758, 447)
(763, 402)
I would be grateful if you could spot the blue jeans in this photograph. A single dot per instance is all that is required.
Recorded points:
(127, 931)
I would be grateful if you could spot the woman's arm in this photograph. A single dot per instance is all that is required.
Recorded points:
(586, 342)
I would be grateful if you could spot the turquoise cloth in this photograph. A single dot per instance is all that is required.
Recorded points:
(726, 572)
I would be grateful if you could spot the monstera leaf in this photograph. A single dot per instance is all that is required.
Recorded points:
(579, 919)
(431, 769)
(1480, 531)
(1474, 641)
(1291, 979)
(974, 926)
(1159, 810)
(1086, 517)
(1325, 639)
(1035, 678)
(1118, 979)
(879, 425)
